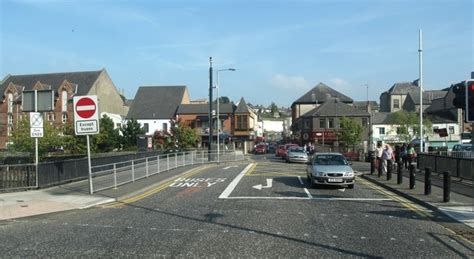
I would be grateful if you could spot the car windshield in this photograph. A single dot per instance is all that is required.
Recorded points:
(297, 150)
(330, 160)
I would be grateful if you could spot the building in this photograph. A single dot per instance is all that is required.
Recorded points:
(196, 116)
(245, 124)
(412, 101)
(155, 106)
(394, 98)
(65, 86)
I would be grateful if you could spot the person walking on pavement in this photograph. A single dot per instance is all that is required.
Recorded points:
(404, 155)
(387, 156)
(411, 154)
(379, 152)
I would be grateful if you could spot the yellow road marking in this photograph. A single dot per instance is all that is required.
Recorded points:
(157, 189)
(276, 174)
(250, 171)
(406, 203)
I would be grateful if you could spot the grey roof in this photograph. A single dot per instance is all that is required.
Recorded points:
(242, 107)
(363, 105)
(204, 108)
(321, 93)
(84, 80)
(447, 116)
(156, 102)
(335, 109)
(428, 96)
(403, 88)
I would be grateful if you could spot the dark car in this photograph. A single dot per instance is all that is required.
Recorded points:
(260, 149)
(271, 148)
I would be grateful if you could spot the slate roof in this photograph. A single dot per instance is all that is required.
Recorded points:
(383, 118)
(403, 88)
(204, 108)
(428, 96)
(333, 108)
(156, 102)
(84, 80)
(321, 93)
(362, 105)
(242, 107)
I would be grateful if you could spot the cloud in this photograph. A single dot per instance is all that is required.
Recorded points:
(286, 82)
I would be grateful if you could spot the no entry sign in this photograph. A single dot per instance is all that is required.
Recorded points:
(86, 115)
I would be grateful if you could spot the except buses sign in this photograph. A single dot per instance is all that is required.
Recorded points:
(86, 115)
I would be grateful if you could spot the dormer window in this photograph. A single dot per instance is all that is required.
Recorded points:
(63, 101)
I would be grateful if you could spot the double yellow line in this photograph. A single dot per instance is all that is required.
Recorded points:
(406, 203)
(157, 189)
(250, 171)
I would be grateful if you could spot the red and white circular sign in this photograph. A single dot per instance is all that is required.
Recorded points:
(86, 107)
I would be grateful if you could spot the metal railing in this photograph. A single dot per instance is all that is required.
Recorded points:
(114, 174)
(19, 176)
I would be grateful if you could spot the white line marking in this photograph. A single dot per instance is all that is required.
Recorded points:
(85, 107)
(305, 190)
(306, 198)
(225, 194)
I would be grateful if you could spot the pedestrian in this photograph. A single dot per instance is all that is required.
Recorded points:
(411, 154)
(387, 157)
(404, 155)
(379, 152)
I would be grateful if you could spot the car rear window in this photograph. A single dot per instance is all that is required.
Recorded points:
(330, 160)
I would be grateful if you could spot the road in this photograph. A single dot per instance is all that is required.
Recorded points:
(260, 208)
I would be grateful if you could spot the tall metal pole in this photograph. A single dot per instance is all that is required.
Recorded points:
(420, 82)
(210, 109)
(36, 142)
(218, 118)
(91, 189)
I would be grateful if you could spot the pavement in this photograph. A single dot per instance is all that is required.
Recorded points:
(76, 195)
(460, 207)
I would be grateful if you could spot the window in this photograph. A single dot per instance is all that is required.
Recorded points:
(64, 117)
(165, 127)
(307, 124)
(51, 117)
(63, 101)
(365, 122)
(331, 123)
(435, 129)
(10, 124)
(399, 130)
(382, 131)
(146, 127)
(10, 103)
(396, 104)
(242, 122)
(451, 129)
(322, 123)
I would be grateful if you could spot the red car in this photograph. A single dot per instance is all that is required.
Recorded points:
(260, 149)
(285, 150)
(280, 150)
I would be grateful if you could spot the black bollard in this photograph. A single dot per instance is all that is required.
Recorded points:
(389, 169)
(399, 173)
(427, 181)
(412, 176)
(446, 186)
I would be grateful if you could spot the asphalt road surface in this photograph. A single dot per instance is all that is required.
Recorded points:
(260, 208)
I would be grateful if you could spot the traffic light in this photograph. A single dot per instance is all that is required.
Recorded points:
(470, 100)
(459, 100)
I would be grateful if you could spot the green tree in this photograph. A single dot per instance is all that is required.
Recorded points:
(130, 132)
(72, 143)
(183, 136)
(109, 138)
(408, 124)
(274, 108)
(350, 131)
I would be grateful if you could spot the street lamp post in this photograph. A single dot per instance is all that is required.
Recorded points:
(218, 115)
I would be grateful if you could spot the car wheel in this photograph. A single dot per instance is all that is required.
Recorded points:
(311, 182)
(350, 186)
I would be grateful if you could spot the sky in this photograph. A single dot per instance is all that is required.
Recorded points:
(280, 49)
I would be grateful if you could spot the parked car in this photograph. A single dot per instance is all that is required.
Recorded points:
(462, 147)
(285, 150)
(280, 150)
(271, 148)
(330, 169)
(297, 155)
(260, 149)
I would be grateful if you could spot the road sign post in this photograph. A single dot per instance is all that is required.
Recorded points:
(86, 122)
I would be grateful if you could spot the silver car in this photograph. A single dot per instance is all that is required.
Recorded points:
(297, 155)
(330, 169)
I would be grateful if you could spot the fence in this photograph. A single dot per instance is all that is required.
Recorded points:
(107, 172)
(22, 176)
(458, 165)
(114, 174)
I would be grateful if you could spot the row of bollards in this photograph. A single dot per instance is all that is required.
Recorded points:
(412, 178)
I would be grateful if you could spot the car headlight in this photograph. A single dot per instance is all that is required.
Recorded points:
(350, 174)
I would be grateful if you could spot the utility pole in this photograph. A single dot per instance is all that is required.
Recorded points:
(210, 109)
(420, 82)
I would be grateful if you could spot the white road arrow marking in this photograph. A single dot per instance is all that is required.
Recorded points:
(342, 190)
(260, 187)
(227, 167)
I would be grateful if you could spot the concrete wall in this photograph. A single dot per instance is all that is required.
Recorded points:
(108, 96)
